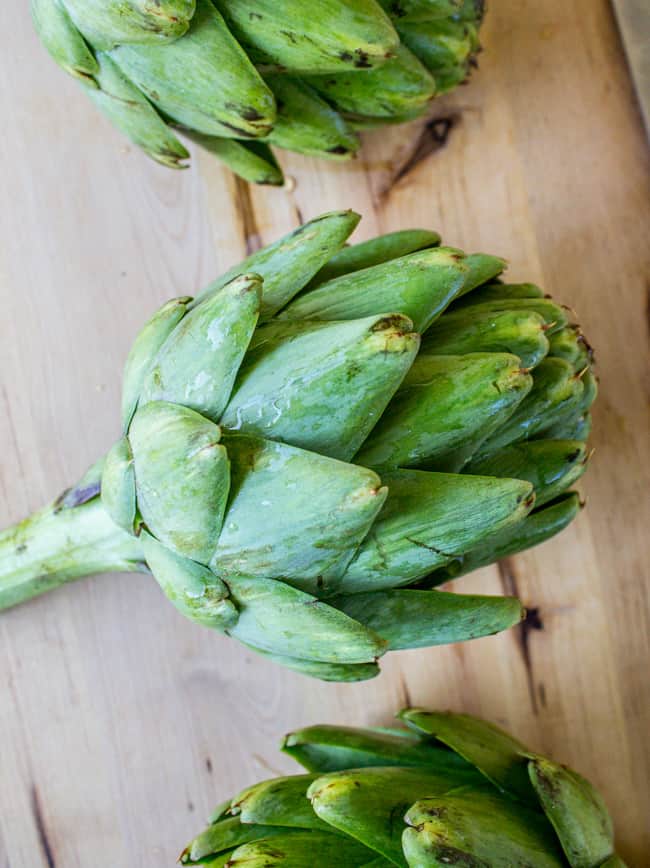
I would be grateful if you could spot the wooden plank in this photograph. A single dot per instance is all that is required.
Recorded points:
(122, 723)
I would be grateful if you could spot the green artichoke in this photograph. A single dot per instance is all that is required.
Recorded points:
(449, 790)
(323, 436)
(239, 76)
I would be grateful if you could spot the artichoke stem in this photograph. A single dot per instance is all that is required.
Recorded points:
(58, 544)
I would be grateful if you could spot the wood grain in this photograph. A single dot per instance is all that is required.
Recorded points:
(122, 724)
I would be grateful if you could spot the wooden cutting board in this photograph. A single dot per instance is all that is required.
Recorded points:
(122, 724)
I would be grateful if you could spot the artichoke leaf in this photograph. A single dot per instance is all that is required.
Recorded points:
(368, 804)
(224, 836)
(118, 485)
(520, 333)
(110, 22)
(198, 363)
(478, 827)
(295, 849)
(144, 350)
(445, 409)
(336, 748)
(494, 752)
(321, 386)
(204, 81)
(276, 617)
(128, 109)
(408, 618)
(419, 285)
(428, 520)
(182, 477)
(278, 802)
(252, 160)
(306, 124)
(195, 591)
(63, 41)
(288, 264)
(576, 810)
(537, 527)
(376, 251)
(399, 86)
(551, 466)
(339, 672)
(293, 514)
(346, 34)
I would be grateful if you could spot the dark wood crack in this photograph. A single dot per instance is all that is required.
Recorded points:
(41, 828)
(532, 621)
(247, 218)
(408, 702)
(433, 137)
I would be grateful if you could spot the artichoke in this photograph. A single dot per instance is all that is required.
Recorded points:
(449, 790)
(239, 77)
(323, 436)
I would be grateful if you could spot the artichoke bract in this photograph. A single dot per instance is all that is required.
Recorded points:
(449, 789)
(238, 77)
(323, 436)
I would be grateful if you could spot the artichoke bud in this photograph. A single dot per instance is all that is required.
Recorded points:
(320, 385)
(449, 789)
(109, 22)
(63, 41)
(182, 477)
(191, 587)
(198, 362)
(144, 350)
(118, 485)
(419, 285)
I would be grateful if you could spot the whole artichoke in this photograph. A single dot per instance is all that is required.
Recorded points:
(238, 76)
(320, 438)
(449, 790)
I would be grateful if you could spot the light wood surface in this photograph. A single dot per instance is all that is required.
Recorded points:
(122, 724)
